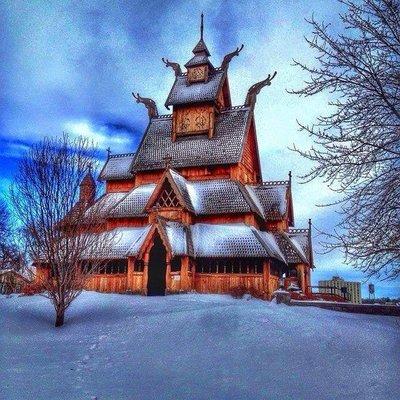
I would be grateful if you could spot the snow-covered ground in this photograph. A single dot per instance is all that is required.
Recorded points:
(194, 347)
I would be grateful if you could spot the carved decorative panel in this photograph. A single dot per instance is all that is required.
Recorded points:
(193, 120)
(197, 74)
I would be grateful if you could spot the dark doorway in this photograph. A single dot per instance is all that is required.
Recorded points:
(157, 269)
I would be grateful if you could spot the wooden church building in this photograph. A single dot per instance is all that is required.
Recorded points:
(190, 209)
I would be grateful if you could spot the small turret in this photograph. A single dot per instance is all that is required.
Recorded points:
(199, 67)
(87, 189)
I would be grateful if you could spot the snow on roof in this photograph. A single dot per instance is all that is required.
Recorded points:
(205, 197)
(118, 166)
(178, 238)
(118, 243)
(182, 185)
(106, 203)
(182, 93)
(273, 198)
(217, 196)
(291, 248)
(226, 240)
(134, 202)
(273, 247)
(300, 242)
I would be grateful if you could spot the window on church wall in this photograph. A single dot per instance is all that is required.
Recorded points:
(230, 266)
(111, 267)
(176, 264)
(168, 198)
(138, 266)
(278, 268)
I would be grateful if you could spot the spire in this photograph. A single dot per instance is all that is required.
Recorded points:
(87, 188)
(202, 26)
(201, 48)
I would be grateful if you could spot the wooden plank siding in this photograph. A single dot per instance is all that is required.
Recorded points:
(224, 283)
(174, 279)
(203, 283)
(120, 185)
(113, 283)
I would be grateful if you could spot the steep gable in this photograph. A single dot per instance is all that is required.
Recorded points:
(225, 147)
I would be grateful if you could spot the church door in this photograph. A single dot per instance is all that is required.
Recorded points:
(156, 282)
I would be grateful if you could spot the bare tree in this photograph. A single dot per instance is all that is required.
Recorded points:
(11, 256)
(4, 221)
(357, 149)
(54, 198)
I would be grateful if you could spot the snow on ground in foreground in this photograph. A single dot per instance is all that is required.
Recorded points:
(194, 347)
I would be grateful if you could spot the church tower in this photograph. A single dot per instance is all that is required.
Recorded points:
(190, 208)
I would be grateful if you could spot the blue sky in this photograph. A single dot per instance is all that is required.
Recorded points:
(72, 65)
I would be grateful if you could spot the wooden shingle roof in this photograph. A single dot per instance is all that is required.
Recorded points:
(225, 147)
(184, 93)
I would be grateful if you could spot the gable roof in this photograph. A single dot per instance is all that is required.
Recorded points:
(230, 240)
(219, 196)
(204, 197)
(178, 185)
(133, 204)
(273, 197)
(302, 241)
(225, 147)
(121, 243)
(117, 166)
(291, 248)
(178, 237)
(207, 240)
(184, 93)
(105, 203)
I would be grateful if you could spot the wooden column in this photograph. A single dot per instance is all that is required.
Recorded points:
(168, 274)
(301, 277)
(308, 278)
(193, 270)
(145, 272)
(185, 274)
(266, 278)
(129, 275)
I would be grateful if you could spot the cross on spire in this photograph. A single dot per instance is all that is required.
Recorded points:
(202, 26)
(108, 152)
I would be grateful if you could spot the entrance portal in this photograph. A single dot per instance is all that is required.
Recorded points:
(156, 283)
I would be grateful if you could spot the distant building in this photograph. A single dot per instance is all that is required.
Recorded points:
(11, 281)
(352, 289)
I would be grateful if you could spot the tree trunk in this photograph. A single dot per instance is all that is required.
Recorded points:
(59, 318)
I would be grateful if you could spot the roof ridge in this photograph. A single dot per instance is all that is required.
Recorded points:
(298, 230)
(274, 183)
(121, 155)
(163, 116)
(233, 108)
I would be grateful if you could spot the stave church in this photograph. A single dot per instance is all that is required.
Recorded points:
(190, 208)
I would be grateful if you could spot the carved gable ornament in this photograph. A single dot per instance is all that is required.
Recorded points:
(197, 74)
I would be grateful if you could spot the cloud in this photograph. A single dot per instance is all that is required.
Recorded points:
(73, 65)
(101, 135)
(14, 149)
